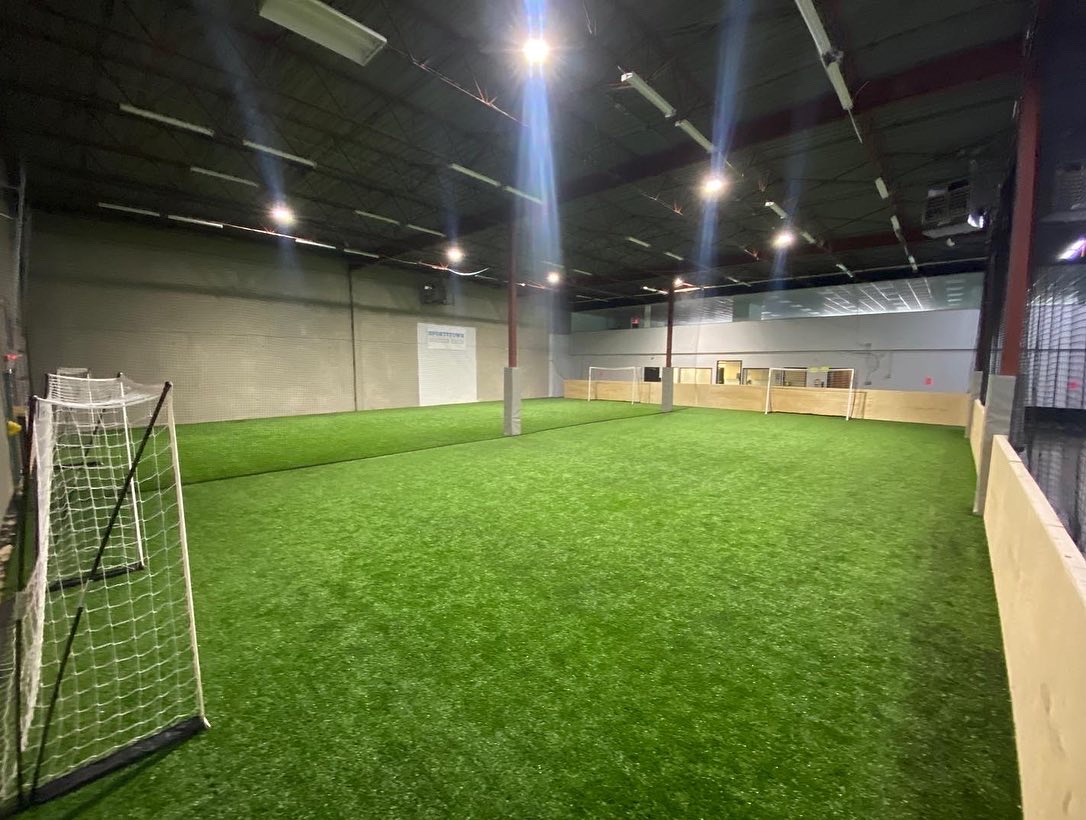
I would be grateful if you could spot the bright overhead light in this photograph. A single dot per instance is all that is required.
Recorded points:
(193, 221)
(880, 186)
(678, 282)
(362, 253)
(777, 209)
(976, 220)
(912, 264)
(784, 238)
(895, 223)
(837, 80)
(810, 239)
(523, 194)
(460, 169)
(275, 152)
(637, 241)
(207, 172)
(536, 50)
(583, 272)
(377, 217)
(688, 128)
(326, 27)
(454, 255)
(674, 256)
(554, 277)
(634, 81)
(109, 206)
(315, 244)
(162, 118)
(281, 215)
(421, 229)
(843, 269)
(713, 186)
(653, 290)
(1073, 251)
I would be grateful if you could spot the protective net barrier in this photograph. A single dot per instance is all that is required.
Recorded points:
(101, 640)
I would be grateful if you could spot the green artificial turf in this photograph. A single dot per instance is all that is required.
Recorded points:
(237, 448)
(700, 614)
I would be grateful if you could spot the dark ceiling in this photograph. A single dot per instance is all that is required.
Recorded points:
(934, 83)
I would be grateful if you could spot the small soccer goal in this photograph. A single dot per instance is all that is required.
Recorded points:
(602, 384)
(833, 394)
(101, 641)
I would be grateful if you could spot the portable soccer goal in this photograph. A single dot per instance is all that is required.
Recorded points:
(837, 398)
(99, 645)
(599, 375)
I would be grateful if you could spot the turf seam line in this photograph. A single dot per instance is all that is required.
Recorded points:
(421, 449)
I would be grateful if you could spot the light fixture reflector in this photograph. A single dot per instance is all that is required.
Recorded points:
(326, 27)
(162, 118)
(275, 152)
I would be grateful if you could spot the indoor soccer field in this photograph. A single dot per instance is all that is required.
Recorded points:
(705, 613)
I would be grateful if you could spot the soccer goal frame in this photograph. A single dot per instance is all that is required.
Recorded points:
(849, 404)
(635, 381)
(104, 665)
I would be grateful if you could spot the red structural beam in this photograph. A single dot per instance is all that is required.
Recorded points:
(670, 324)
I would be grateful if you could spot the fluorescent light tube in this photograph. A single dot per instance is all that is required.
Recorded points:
(207, 172)
(206, 223)
(523, 194)
(1074, 250)
(637, 241)
(377, 217)
(551, 264)
(583, 272)
(162, 118)
(843, 269)
(109, 206)
(362, 253)
(837, 80)
(895, 223)
(810, 239)
(814, 25)
(460, 169)
(688, 128)
(421, 229)
(301, 241)
(634, 81)
(912, 263)
(733, 279)
(674, 256)
(275, 152)
(653, 290)
(325, 26)
(687, 289)
(880, 186)
(777, 209)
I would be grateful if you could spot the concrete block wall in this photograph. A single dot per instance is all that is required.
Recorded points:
(247, 328)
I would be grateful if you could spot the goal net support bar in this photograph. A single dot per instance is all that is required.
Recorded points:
(784, 378)
(596, 375)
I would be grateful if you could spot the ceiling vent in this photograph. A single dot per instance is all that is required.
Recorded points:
(951, 209)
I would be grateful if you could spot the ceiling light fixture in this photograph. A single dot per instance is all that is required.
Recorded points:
(162, 118)
(777, 209)
(814, 25)
(207, 172)
(810, 239)
(109, 206)
(639, 242)
(460, 169)
(783, 239)
(688, 128)
(536, 50)
(282, 215)
(1075, 250)
(634, 81)
(326, 27)
(377, 217)
(895, 223)
(880, 186)
(362, 253)
(523, 194)
(193, 221)
(314, 243)
(454, 255)
(583, 272)
(554, 277)
(674, 256)
(912, 264)
(713, 186)
(421, 229)
(275, 152)
(837, 80)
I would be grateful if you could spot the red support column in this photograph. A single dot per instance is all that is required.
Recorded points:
(1022, 220)
(512, 313)
(670, 324)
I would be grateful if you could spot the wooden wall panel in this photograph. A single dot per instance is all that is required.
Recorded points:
(976, 430)
(883, 405)
(1040, 582)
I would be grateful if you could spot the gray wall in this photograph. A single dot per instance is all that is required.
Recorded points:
(248, 329)
(890, 350)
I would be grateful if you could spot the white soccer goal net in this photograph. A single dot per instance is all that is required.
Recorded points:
(832, 393)
(601, 383)
(101, 639)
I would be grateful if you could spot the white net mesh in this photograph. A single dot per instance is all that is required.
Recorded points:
(111, 563)
(614, 384)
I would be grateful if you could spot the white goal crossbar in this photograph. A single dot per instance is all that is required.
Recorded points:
(849, 404)
(599, 374)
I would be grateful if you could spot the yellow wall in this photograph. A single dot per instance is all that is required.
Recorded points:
(884, 405)
(976, 431)
(1040, 581)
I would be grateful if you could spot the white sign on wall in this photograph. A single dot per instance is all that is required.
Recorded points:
(446, 364)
